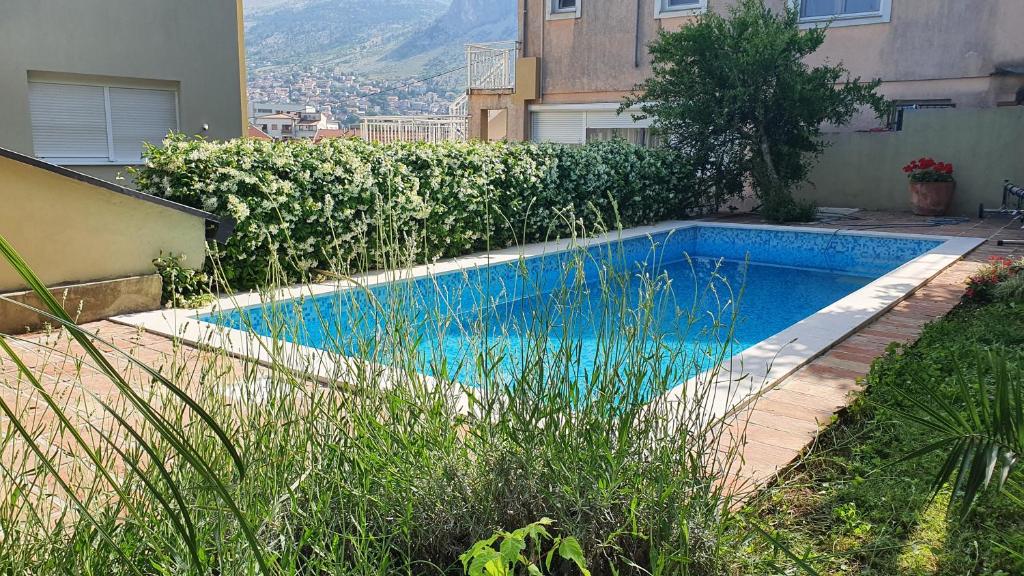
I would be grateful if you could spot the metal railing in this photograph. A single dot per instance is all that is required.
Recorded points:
(491, 66)
(388, 129)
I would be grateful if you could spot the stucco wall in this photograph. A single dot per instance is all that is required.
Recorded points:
(602, 55)
(70, 231)
(863, 169)
(480, 102)
(194, 43)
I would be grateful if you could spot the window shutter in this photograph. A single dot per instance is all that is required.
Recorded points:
(139, 116)
(609, 119)
(68, 121)
(561, 127)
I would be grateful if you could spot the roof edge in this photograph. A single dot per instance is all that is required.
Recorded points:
(116, 188)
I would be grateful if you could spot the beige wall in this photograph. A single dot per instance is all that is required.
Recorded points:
(482, 101)
(71, 231)
(602, 55)
(863, 169)
(193, 43)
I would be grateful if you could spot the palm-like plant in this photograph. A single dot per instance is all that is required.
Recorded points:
(982, 428)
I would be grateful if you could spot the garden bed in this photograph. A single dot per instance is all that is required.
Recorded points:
(856, 508)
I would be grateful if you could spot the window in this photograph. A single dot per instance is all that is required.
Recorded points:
(673, 8)
(82, 124)
(581, 123)
(845, 12)
(563, 9)
(894, 122)
(638, 136)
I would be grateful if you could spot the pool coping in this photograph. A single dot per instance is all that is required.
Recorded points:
(740, 380)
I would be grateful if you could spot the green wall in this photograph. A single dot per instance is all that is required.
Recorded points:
(863, 169)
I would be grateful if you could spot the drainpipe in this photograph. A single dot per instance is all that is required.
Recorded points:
(636, 41)
(522, 26)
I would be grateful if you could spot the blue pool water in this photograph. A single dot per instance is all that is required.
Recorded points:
(691, 284)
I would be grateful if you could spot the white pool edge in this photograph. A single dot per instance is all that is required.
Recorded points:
(760, 367)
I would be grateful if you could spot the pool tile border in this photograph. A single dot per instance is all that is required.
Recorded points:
(758, 369)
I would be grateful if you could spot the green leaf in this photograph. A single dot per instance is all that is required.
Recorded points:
(569, 549)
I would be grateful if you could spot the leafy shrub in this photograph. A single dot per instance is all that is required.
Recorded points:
(183, 287)
(1011, 290)
(984, 285)
(345, 204)
(735, 95)
(783, 208)
(521, 551)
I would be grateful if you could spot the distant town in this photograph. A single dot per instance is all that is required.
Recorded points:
(345, 98)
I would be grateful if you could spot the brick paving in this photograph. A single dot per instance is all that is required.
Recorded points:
(772, 432)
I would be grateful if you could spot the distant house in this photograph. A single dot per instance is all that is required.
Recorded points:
(327, 133)
(85, 82)
(284, 123)
(279, 126)
(256, 133)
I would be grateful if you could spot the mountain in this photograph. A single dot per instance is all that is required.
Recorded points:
(465, 21)
(331, 31)
(388, 39)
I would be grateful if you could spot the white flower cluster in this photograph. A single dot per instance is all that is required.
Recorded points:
(343, 205)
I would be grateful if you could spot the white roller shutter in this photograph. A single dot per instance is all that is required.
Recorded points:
(561, 127)
(139, 116)
(609, 119)
(68, 121)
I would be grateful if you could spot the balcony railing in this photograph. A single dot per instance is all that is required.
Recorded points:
(388, 129)
(491, 66)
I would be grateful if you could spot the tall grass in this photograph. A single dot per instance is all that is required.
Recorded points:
(397, 463)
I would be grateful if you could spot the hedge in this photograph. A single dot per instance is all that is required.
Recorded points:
(346, 204)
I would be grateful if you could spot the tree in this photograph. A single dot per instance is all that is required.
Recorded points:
(734, 96)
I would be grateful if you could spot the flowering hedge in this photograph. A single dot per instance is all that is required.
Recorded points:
(345, 205)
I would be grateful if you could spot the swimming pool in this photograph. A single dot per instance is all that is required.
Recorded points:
(697, 289)
(788, 258)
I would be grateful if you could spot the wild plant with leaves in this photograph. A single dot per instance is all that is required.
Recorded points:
(982, 433)
(182, 286)
(734, 97)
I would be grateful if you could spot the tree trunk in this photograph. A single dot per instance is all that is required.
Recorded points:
(766, 154)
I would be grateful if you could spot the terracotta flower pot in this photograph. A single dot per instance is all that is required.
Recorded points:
(931, 198)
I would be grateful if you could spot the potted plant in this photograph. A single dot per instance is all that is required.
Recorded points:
(931, 186)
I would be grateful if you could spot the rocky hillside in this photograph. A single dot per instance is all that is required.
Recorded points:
(395, 39)
(464, 21)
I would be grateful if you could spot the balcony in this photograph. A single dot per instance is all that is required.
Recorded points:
(387, 129)
(491, 66)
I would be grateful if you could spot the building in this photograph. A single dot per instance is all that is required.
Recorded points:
(265, 108)
(257, 134)
(284, 122)
(948, 66)
(329, 133)
(85, 82)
